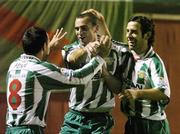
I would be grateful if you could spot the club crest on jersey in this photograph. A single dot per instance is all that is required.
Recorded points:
(141, 77)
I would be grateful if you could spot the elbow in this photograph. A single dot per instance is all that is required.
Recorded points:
(164, 95)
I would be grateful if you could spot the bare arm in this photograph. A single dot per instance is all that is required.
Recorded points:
(148, 94)
(77, 55)
(101, 48)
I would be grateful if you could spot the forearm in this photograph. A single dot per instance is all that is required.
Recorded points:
(79, 54)
(151, 94)
(76, 55)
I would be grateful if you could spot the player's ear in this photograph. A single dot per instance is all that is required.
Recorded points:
(147, 35)
(45, 47)
(96, 28)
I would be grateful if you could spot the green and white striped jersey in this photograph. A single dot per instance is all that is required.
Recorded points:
(94, 96)
(146, 73)
(29, 81)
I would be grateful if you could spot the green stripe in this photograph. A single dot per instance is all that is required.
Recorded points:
(50, 66)
(95, 87)
(158, 66)
(29, 91)
(79, 94)
(41, 105)
(21, 120)
(144, 67)
(47, 65)
(86, 70)
(49, 83)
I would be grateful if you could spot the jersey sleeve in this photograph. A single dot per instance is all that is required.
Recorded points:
(159, 77)
(71, 51)
(52, 77)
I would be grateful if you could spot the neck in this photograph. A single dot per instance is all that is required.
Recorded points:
(39, 55)
(143, 50)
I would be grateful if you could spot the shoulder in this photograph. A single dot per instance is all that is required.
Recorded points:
(157, 64)
(118, 43)
(44, 65)
(156, 60)
(14, 64)
(119, 47)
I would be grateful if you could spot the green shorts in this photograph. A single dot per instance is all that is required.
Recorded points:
(144, 126)
(87, 123)
(25, 129)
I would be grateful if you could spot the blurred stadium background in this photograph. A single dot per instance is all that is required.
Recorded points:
(17, 15)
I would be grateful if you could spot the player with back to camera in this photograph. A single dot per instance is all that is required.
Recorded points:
(30, 79)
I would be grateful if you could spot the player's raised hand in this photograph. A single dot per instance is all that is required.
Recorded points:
(58, 36)
(105, 46)
(93, 47)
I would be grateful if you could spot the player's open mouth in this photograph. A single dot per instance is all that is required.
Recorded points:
(81, 38)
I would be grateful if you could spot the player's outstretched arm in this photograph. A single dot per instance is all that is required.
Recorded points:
(53, 77)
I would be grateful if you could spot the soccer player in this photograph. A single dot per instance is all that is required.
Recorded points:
(145, 91)
(91, 104)
(30, 79)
